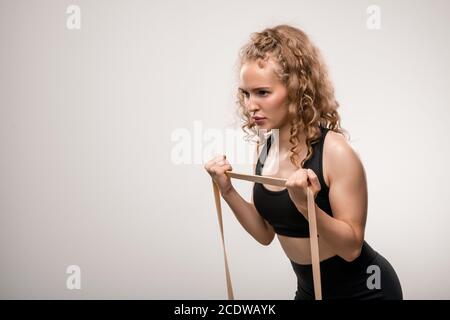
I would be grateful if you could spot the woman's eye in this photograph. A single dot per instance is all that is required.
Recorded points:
(261, 93)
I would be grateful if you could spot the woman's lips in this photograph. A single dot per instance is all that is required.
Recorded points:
(259, 120)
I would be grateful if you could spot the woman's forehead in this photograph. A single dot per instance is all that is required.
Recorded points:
(254, 74)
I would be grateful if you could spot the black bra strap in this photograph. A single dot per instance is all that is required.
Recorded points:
(262, 157)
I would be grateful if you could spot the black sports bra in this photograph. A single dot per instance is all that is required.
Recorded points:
(277, 207)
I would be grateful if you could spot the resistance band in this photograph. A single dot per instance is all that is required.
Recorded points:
(312, 227)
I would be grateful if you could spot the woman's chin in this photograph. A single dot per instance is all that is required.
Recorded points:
(264, 125)
(266, 128)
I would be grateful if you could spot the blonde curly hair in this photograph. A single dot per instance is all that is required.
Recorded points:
(302, 70)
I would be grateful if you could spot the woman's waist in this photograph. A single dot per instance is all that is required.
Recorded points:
(335, 262)
(298, 249)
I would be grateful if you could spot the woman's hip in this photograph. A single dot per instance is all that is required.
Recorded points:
(370, 276)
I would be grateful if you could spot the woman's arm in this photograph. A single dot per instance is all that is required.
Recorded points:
(344, 232)
(249, 218)
(247, 215)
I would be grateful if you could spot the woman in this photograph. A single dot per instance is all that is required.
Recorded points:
(284, 86)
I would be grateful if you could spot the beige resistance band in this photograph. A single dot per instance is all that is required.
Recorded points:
(312, 227)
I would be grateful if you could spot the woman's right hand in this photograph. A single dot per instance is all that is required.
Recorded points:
(216, 168)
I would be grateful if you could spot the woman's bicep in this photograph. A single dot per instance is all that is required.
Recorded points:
(348, 187)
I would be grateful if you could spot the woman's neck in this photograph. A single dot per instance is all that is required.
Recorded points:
(284, 134)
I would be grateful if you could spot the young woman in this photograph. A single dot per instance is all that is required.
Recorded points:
(284, 85)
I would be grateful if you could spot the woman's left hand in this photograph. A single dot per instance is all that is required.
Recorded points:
(297, 185)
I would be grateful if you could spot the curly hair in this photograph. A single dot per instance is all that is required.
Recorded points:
(302, 70)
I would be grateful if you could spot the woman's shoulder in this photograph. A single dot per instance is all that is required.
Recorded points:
(339, 157)
(335, 140)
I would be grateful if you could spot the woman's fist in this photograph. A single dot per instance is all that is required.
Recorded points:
(297, 186)
(216, 168)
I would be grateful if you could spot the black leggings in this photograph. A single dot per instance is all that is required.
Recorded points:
(351, 280)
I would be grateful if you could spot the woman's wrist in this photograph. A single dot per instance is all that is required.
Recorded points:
(227, 193)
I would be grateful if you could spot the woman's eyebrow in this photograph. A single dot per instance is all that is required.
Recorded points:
(257, 88)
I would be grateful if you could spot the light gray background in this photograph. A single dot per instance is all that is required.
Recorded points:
(86, 119)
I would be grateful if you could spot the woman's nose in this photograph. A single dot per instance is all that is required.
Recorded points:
(251, 105)
(253, 108)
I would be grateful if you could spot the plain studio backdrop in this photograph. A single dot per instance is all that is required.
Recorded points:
(90, 127)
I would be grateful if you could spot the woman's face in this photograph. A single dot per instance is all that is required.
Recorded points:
(264, 94)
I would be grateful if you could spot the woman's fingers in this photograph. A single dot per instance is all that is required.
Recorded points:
(214, 161)
(223, 167)
(218, 165)
(298, 179)
(216, 168)
(314, 180)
